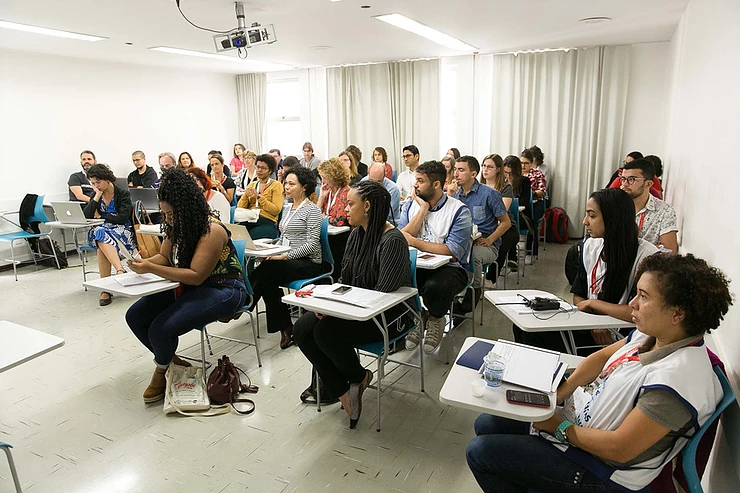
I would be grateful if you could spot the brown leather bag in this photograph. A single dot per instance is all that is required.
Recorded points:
(149, 245)
(224, 385)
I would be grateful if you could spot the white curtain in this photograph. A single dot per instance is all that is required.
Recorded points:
(571, 104)
(386, 104)
(251, 93)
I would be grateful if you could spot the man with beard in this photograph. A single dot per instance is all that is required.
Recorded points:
(80, 189)
(143, 176)
(435, 223)
(656, 219)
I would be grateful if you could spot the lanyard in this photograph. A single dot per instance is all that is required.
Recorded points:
(330, 201)
(642, 221)
(290, 216)
(631, 356)
(257, 186)
(594, 285)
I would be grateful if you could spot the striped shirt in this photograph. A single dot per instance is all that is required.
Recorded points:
(302, 228)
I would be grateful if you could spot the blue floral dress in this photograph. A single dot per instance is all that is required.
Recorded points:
(109, 232)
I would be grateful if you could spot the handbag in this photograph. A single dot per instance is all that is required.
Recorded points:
(149, 245)
(224, 385)
(186, 393)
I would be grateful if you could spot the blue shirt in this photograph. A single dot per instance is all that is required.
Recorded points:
(485, 206)
(392, 188)
(458, 239)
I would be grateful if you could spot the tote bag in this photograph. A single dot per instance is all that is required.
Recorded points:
(149, 245)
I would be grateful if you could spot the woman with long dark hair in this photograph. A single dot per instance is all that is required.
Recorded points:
(493, 175)
(198, 253)
(377, 258)
(522, 190)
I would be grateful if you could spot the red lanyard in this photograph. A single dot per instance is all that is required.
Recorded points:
(633, 356)
(593, 276)
(642, 221)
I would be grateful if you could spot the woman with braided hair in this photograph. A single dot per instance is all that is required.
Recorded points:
(198, 253)
(377, 258)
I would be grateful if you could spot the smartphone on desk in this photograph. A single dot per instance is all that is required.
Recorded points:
(341, 289)
(527, 398)
(426, 256)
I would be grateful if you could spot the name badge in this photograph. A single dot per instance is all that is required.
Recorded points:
(285, 242)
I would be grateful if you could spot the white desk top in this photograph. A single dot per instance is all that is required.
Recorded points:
(19, 344)
(346, 311)
(335, 230)
(457, 391)
(61, 225)
(430, 263)
(110, 285)
(575, 320)
(276, 250)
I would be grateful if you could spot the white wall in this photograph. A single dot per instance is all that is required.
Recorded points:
(702, 131)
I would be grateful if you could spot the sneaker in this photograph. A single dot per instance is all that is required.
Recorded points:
(433, 338)
(412, 339)
(528, 260)
(513, 266)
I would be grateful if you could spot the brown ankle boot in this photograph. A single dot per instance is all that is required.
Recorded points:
(286, 338)
(157, 387)
(180, 362)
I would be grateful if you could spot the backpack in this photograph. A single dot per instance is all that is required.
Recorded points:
(557, 225)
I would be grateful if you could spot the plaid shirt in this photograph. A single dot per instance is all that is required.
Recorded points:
(537, 179)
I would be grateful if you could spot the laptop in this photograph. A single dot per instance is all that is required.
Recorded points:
(71, 213)
(239, 232)
(148, 197)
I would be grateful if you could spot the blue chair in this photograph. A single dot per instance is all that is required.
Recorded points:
(38, 216)
(459, 297)
(379, 350)
(326, 258)
(6, 448)
(231, 214)
(394, 175)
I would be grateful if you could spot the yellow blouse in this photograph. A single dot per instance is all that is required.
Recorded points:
(269, 202)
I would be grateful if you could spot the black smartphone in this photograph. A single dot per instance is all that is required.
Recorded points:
(527, 398)
(342, 289)
(426, 256)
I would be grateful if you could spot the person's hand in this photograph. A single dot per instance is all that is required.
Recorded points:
(549, 425)
(602, 337)
(280, 174)
(423, 204)
(319, 315)
(140, 265)
(452, 188)
(586, 306)
(409, 239)
(485, 241)
(324, 188)
(250, 192)
(278, 257)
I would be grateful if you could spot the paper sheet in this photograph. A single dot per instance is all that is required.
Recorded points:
(526, 366)
(364, 298)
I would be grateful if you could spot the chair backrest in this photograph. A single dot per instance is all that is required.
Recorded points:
(38, 211)
(394, 175)
(231, 216)
(240, 246)
(412, 257)
(326, 255)
(515, 212)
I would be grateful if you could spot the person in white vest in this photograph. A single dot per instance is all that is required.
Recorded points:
(628, 409)
(435, 223)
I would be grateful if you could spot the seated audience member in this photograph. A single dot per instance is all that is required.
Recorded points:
(407, 178)
(539, 163)
(493, 175)
(334, 188)
(488, 213)
(185, 160)
(450, 185)
(166, 161)
(522, 190)
(247, 174)
(656, 220)
(143, 176)
(237, 162)
(453, 152)
(309, 160)
(539, 190)
(279, 160)
(198, 253)
(113, 205)
(377, 258)
(381, 156)
(266, 195)
(300, 228)
(80, 189)
(614, 180)
(288, 163)
(656, 189)
(212, 153)
(221, 182)
(215, 200)
(629, 408)
(357, 153)
(350, 162)
(435, 223)
(376, 172)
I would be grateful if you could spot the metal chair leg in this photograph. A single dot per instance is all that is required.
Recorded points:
(256, 338)
(318, 390)
(13, 471)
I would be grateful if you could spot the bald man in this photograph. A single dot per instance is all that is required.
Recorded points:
(376, 172)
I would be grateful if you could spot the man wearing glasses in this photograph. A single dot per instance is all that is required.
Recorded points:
(407, 178)
(143, 176)
(656, 219)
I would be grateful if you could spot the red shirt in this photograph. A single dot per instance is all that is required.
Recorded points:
(334, 208)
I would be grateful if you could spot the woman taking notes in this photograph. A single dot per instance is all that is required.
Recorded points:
(197, 253)
(628, 408)
(300, 229)
(112, 204)
(266, 195)
(377, 258)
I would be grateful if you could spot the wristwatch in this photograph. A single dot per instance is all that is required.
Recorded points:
(560, 431)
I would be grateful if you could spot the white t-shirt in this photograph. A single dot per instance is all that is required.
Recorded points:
(219, 204)
(596, 268)
(405, 182)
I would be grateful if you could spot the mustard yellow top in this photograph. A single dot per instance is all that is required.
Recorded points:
(269, 200)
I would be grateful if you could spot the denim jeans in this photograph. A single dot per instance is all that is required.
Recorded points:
(505, 458)
(158, 320)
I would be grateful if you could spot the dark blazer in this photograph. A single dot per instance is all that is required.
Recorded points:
(122, 202)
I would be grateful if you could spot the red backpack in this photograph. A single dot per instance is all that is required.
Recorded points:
(557, 225)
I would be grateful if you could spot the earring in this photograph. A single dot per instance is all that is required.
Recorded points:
(366, 214)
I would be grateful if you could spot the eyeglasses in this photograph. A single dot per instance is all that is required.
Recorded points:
(408, 156)
(138, 159)
(485, 166)
(629, 179)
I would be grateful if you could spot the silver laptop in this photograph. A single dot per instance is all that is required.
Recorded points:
(148, 197)
(71, 213)
(239, 232)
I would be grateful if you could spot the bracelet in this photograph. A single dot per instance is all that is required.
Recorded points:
(560, 431)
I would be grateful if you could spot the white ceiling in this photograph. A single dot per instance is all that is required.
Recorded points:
(355, 37)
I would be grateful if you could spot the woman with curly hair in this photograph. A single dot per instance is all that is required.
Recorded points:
(113, 204)
(198, 253)
(333, 193)
(215, 200)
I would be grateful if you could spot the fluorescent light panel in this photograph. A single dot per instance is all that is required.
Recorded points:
(254, 64)
(427, 32)
(48, 32)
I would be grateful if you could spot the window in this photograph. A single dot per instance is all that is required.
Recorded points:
(282, 116)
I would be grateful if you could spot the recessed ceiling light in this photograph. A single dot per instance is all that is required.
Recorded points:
(255, 65)
(48, 32)
(595, 20)
(419, 29)
(334, 1)
(321, 48)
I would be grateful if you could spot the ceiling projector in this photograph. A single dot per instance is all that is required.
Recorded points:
(243, 36)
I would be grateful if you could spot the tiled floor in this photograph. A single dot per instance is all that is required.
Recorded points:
(78, 424)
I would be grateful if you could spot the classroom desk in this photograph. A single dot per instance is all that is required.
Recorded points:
(64, 227)
(110, 285)
(336, 230)
(19, 344)
(277, 249)
(570, 321)
(457, 391)
(430, 263)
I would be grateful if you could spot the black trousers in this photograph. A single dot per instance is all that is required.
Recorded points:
(538, 210)
(329, 343)
(439, 286)
(266, 280)
(508, 247)
(337, 245)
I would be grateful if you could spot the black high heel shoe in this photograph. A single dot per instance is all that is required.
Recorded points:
(355, 397)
